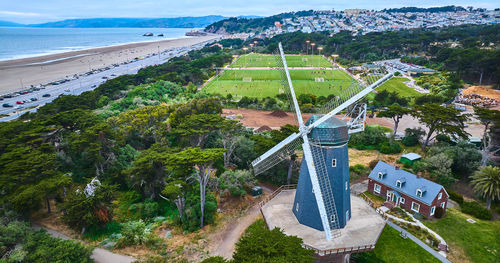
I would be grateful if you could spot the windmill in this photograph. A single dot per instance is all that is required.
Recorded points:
(322, 199)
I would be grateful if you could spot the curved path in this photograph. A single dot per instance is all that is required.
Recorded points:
(99, 255)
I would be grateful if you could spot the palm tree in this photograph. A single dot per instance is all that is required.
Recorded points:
(486, 182)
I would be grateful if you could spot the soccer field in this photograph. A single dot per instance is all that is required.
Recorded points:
(267, 83)
(397, 85)
(263, 61)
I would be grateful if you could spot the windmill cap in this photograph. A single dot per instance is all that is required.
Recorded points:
(332, 132)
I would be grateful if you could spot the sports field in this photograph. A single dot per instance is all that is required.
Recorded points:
(397, 85)
(267, 83)
(263, 61)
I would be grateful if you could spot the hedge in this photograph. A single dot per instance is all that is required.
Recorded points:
(477, 210)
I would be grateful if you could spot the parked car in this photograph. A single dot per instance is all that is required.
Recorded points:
(33, 99)
(7, 105)
(19, 102)
(46, 95)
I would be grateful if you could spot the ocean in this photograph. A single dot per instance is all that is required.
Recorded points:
(18, 43)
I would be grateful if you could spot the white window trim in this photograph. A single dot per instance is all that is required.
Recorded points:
(332, 218)
(402, 200)
(416, 210)
(346, 185)
(375, 188)
(398, 184)
(440, 195)
(443, 204)
(380, 175)
(334, 162)
(433, 210)
(419, 191)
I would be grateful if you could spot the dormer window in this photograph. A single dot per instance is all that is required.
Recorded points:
(398, 183)
(419, 193)
(380, 175)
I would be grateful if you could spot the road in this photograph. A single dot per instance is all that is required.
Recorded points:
(85, 82)
(99, 255)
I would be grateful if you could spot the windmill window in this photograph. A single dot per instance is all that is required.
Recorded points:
(332, 218)
(297, 207)
(346, 185)
(334, 162)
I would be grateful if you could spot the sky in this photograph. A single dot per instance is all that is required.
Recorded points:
(38, 11)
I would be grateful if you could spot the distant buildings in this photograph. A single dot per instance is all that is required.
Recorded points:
(361, 21)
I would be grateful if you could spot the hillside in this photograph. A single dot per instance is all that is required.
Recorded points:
(9, 24)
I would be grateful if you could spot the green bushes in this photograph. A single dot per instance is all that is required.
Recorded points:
(236, 183)
(371, 138)
(439, 212)
(455, 196)
(137, 233)
(390, 148)
(477, 210)
(409, 141)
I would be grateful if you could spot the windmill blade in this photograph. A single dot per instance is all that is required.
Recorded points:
(288, 85)
(284, 82)
(349, 99)
(277, 154)
(323, 197)
(356, 115)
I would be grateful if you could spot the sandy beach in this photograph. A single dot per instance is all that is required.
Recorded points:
(44, 69)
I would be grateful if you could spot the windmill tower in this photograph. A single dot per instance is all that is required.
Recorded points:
(322, 200)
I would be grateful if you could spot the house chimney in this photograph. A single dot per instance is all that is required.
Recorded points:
(419, 174)
(397, 167)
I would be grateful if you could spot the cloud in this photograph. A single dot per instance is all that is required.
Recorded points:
(20, 14)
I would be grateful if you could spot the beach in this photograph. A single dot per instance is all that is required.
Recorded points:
(43, 69)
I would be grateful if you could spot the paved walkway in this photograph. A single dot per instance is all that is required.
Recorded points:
(420, 243)
(99, 255)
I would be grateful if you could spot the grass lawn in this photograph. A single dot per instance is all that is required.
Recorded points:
(391, 247)
(261, 60)
(267, 83)
(478, 242)
(396, 84)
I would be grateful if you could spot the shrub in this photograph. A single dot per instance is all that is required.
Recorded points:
(137, 233)
(373, 163)
(390, 148)
(237, 183)
(477, 210)
(409, 141)
(439, 212)
(455, 196)
(359, 169)
(443, 138)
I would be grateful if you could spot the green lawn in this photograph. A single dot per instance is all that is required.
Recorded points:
(391, 247)
(396, 84)
(267, 83)
(261, 60)
(480, 242)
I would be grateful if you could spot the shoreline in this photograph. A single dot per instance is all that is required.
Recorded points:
(47, 68)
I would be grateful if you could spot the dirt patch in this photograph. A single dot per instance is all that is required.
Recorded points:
(279, 114)
(257, 118)
(483, 91)
(53, 221)
(364, 157)
(263, 129)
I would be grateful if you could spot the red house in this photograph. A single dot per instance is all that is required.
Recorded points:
(407, 190)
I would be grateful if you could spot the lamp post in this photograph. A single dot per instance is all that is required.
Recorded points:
(307, 47)
(251, 51)
(312, 48)
(245, 48)
(319, 56)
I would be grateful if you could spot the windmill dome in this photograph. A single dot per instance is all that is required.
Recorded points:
(331, 132)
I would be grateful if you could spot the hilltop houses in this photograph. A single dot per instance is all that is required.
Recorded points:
(406, 190)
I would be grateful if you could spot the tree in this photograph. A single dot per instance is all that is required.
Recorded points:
(395, 112)
(488, 118)
(439, 165)
(260, 244)
(176, 191)
(202, 161)
(486, 182)
(83, 210)
(231, 136)
(198, 127)
(441, 119)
